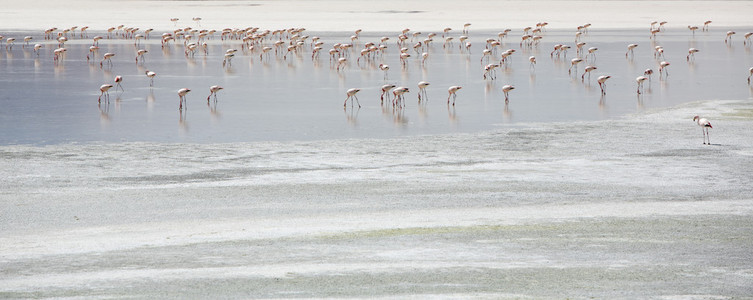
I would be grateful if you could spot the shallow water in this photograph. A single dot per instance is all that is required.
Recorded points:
(301, 99)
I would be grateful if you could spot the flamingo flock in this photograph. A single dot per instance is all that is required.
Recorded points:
(409, 46)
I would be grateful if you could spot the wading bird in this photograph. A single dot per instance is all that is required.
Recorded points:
(691, 54)
(385, 91)
(182, 97)
(118, 80)
(150, 75)
(602, 83)
(630, 49)
(107, 57)
(451, 91)
(213, 91)
(422, 90)
(639, 80)
(506, 90)
(352, 95)
(705, 125)
(104, 91)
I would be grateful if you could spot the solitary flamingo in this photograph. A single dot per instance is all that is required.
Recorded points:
(451, 91)
(352, 95)
(506, 89)
(691, 53)
(422, 90)
(213, 91)
(151, 75)
(118, 80)
(182, 97)
(104, 91)
(705, 125)
(630, 49)
(639, 80)
(602, 83)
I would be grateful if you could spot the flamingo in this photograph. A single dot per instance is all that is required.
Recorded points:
(486, 54)
(36, 48)
(706, 25)
(384, 68)
(341, 62)
(213, 91)
(385, 91)
(9, 43)
(587, 70)
(648, 73)
(489, 71)
(630, 49)
(747, 37)
(59, 53)
(197, 20)
(107, 57)
(422, 90)
(451, 91)
(352, 95)
(465, 28)
(662, 69)
(175, 21)
(182, 97)
(506, 89)
(693, 29)
(573, 63)
(602, 83)
(404, 59)
(397, 93)
(424, 56)
(104, 91)
(592, 52)
(227, 60)
(729, 37)
(27, 39)
(705, 125)
(691, 53)
(150, 75)
(639, 80)
(118, 80)
(140, 54)
(532, 61)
